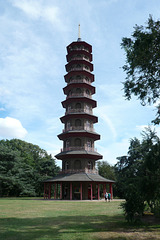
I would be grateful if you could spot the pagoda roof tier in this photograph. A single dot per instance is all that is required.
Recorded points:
(78, 61)
(83, 52)
(79, 154)
(79, 177)
(80, 45)
(79, 85)
(79, 72)
(79, 115)
(79, 99)
(80, 133)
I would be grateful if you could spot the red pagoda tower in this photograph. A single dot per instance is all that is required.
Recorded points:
(79, 178)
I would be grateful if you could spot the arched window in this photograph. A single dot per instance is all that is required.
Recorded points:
(86, 67)
(77, 164)
(87, 92)
(78, 66)
(90, 166)
(78, 123)
(88, 125)
(78, 142)
(78, 90)
(68, 125)
(78, 105)
(67, 143)
(89, 145)
(66, 165)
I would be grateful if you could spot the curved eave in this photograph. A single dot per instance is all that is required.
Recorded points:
(73, 52)
(79, 154)
(81, 133)
(78, 61)
(79, 44)
(79, 99)
(79, 85)
(79, 177)
(79, 115)
(81, 72)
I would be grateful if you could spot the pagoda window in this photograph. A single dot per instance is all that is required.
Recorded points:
(78, 142)
(87, 92)
(78, 90)
(87, 79)
(89, 144)
(90, 166)
(77, 164)
(66, 165)
(86, 67)
(78, 77)
(78, 66)
(68, 125)
(78, 123)
(87, 109)
(67, 143)
(78, 106)
(88, 125)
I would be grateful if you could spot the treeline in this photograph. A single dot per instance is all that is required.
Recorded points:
(23, 167)
(137, 176)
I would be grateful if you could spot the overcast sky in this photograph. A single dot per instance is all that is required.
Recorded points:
(33, 39)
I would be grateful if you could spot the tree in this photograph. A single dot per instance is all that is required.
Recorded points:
(105, 170)
(23, 167)
(138, 175)
(143, 64)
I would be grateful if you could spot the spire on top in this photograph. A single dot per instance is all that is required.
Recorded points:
(79, 34)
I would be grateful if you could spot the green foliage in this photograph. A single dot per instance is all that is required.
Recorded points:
(138, 175)
(23, 167)
(143, 64)
(106, 170)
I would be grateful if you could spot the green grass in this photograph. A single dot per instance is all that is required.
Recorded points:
(28, 219)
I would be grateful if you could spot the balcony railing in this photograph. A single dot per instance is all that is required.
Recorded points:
(88, 149)
(79, 95)
(78, 128)
(79, 110)
(79, 81)
(80, 58)
(95, 171)
(79, 69)
(78, 48)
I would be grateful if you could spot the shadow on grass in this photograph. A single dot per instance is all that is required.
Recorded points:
(68, 226)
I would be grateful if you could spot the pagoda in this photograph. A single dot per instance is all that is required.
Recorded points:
(79, 179)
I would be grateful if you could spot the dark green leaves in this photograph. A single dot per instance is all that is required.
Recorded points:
(143, 63)
(23, 167)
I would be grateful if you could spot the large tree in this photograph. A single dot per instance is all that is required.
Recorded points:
(143, 64)
(138, 175)
(23, 167)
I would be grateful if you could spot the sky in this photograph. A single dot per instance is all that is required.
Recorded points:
(33, 39)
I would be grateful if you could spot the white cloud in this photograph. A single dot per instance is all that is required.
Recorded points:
(43, 11)
(11, 128)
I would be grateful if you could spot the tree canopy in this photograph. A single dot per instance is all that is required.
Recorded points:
(138, 175)
(142, 66)
(23, 167)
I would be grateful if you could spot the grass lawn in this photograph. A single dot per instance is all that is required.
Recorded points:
(28, 219)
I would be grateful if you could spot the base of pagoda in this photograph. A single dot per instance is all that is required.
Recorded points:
(77, 186)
